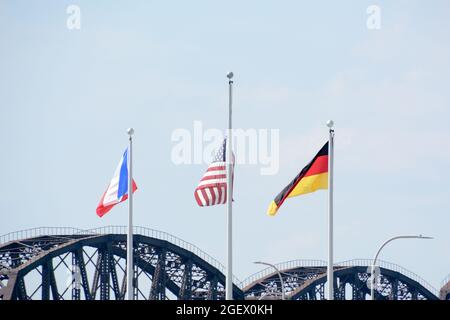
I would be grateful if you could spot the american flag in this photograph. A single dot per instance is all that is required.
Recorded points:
(212, 188)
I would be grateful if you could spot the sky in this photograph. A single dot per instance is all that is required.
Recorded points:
(67, 97)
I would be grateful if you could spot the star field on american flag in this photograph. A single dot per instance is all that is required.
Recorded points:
(212, 189)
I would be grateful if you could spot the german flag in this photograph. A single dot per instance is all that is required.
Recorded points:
(312, 177)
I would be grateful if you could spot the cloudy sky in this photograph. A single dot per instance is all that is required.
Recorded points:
(67, 97)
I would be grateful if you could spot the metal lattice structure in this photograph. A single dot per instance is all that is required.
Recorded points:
(306, 279)
(91, 265)
(74, 264)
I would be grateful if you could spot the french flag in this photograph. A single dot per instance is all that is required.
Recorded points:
(117, 190)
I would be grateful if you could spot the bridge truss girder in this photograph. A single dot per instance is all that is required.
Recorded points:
(308, 283)
(94, 267)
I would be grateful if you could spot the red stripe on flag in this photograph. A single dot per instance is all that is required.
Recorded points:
(199, 202)
(218, 176)
(205, 196)
(213, 195)
(216, 168)
(319, 166)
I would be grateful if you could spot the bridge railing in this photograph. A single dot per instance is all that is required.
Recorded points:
(38, 232)
(161, 235)
(282, 266)
(390, 266)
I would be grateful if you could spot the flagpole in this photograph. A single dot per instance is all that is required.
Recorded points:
(228, 152)
(330, 274)
(130, 267)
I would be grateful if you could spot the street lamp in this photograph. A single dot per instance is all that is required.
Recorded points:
(279, 275)
(372, 286)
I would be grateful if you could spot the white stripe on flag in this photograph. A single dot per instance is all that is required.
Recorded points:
(212, 181)
(208, 193)
(214, 173)
(216, 192)
(202, 199)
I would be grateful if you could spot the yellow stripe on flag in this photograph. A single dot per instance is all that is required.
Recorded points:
(273, 208)
(306, 185)
(310, 184)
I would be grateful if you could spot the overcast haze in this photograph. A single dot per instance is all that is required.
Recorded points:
(67, 97)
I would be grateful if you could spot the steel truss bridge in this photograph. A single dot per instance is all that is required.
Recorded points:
(75, 264)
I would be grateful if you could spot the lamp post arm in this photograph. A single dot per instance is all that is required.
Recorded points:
(279, 275)
(395, 238)
(372, 289)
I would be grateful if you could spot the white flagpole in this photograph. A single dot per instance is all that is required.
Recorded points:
(330, 274)
(130, 267)
(228, 151)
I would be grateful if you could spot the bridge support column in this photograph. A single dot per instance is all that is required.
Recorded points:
(83, 275)
(104, 274)
(21, 289)
(75, 278)
(158, 288)
(45, 281)
(186, 284)
(212, 291)
(114, 279)
(394, 289)
(358, 288)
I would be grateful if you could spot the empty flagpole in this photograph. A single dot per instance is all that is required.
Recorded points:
(330, 275)
(228, 153)
(130, 267)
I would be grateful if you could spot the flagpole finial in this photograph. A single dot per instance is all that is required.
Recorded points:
(330, 124)
(230, 75)
(130, 131)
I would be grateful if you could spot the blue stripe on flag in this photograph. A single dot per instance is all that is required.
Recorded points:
(123, 178)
